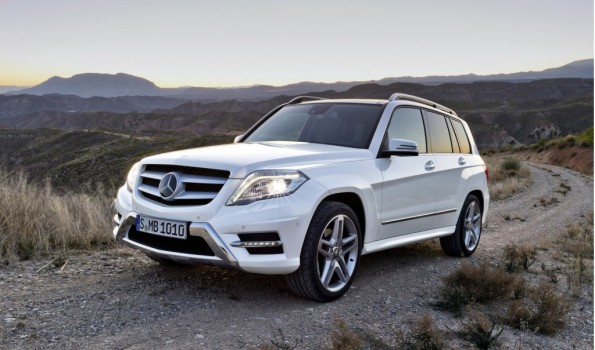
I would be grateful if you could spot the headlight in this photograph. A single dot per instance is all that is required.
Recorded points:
(267, 184)
(132, 176)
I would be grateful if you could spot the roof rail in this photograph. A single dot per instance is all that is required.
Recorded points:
(301, 99)
(400, 96)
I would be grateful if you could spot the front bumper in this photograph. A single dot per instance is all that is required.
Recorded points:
(222, 228)
(223, 257)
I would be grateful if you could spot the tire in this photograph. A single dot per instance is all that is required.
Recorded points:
(465, 239)
(330, 254)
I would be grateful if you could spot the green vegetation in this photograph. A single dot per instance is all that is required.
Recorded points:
(583, 139)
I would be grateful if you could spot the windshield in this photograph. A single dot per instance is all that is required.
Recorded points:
(341, 124)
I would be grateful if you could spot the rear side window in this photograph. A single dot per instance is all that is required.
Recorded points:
(453, 138)
(461, 136)
(408, 124)
(440, 137)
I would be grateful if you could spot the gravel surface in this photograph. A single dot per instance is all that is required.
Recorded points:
(119, 299)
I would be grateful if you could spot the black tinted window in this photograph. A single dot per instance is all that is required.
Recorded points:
(407, 123)
(461, 136)
(439, 133)
(341, 124)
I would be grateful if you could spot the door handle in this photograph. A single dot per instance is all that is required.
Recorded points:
(462, 161)
(430, 165)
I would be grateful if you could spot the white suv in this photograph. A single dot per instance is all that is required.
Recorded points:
(309, 188)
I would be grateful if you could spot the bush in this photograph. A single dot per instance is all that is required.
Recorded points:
(543, 311)
(481, 284)
(511, 165)
(519, 257)
(426, 336)
(480, 330)
(342, 338)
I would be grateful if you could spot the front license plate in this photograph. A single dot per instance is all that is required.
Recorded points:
(160, 227)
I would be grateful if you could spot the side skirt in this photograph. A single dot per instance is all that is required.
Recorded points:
(407, 239)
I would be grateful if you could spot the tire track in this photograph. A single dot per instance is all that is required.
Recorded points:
(530, 221)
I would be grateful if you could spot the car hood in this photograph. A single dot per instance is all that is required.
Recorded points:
(242, 159)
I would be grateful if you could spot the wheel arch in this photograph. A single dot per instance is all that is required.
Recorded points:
(354, 201)
(479, 195)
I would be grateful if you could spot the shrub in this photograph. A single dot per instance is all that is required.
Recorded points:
(511, 165)
(426, 336)
(519, 257)
(543, 311)
(480, 330)
(479, 284)
(342, 338)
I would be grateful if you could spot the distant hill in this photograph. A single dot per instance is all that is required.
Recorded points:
(94, 84)
(498, 112)
(17, 105)
(9, 88)
(110, 85)
(578, 69)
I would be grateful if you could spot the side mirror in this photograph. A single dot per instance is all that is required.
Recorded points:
(238, 138)
(401, 147)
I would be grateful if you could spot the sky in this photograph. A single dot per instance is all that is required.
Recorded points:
(239, 43)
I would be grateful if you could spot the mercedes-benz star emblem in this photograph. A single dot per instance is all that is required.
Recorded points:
(170, 186)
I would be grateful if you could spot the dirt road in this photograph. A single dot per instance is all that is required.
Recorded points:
(119, 299)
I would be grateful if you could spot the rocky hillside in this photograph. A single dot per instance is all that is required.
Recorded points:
(499, 113)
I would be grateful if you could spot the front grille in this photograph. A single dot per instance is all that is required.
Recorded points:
(159, 168)
(191, 245)
(200, 185)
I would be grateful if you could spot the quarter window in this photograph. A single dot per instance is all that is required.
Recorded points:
(407, 123)
(461, 136)
(439, 133)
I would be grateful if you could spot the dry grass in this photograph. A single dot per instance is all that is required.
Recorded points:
(507, 177)
(35, 220)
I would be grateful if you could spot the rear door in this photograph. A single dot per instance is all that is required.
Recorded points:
(451, 161)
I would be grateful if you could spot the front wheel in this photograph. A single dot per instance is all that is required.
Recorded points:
(330, 254)
(468, 230)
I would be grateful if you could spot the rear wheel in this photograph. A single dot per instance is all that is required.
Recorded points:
(468, 230)
(330, 254)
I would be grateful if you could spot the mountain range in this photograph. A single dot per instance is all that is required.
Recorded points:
(498, 113)
(116, 85)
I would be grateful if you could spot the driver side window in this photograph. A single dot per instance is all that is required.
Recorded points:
(407, 123)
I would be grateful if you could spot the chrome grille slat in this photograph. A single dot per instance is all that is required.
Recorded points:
(153, 175)
(148, 189)
(193, 195)
(202, 179)
(200, 185)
